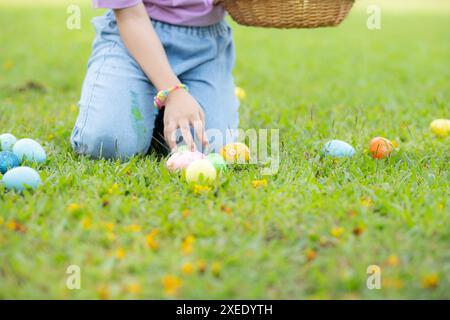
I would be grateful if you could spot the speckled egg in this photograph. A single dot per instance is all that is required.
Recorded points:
(8, 160)
(217, 161)
(7, 141)
(180, 160)
(201, 171)
(235, 153)
(20, 178)
(440, 127)
(380, 148)
(338, 149)
(28, 149)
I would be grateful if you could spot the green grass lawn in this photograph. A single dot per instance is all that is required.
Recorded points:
(310, 233)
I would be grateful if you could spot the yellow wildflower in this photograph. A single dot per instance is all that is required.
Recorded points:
(151, 242)
(392, 283)
(189, 239)
(11, 225)
(337, 231)
(73, 207)
(310, 255)
(16, 226)
(133, 288)
(171, 284)
(201, 266)
(133, 228)
(352, 213)
(120, 253)
(259, 183)
(199, 189)
(226, 209)
(113, 189)
(86, 223)
(240, 93)
(395, 144)
(186, 213)
(430, 281)
(187, 245)
(187, 249)
(111, 236)
(187, 268)
(366, 202)
(393, 260)
(110, 226)
(73, 108)
(216, 268)
(103, 292)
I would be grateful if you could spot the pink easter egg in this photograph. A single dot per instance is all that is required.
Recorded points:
(179, 161)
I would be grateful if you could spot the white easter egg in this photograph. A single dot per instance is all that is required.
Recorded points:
(20, 178)
(28, 149)
(7, 141)
(338, 149)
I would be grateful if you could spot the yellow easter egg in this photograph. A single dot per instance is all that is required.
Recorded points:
(440, 127)
(235, 152)
(240, 93)
(201, 171)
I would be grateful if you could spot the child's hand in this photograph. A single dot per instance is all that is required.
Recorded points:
(182, 111)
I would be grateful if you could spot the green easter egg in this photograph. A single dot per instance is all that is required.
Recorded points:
(217, 161)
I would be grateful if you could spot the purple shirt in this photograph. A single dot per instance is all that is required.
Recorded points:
(180, 12)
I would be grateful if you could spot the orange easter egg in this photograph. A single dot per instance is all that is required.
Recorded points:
(380, 148)
(235, 152)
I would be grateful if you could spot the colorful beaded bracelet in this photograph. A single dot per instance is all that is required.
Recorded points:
(161, 97)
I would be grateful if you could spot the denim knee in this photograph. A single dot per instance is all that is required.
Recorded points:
(104, 144)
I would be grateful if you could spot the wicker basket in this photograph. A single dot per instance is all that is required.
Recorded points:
(288, 13)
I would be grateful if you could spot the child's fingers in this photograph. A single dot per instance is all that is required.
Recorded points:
(170, 136)
(204, 137)
(202, 116)
(187, 137)
(200, 132)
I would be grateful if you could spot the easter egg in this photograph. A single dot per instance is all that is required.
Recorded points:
(380, 148)
(180, 160)
(28, 149)
(338, 149)
(217, 161)
(8, 160)
(235, 153)
(20, 178)
(7, 141)
(440, 127)
(240, 93)
(200, 171)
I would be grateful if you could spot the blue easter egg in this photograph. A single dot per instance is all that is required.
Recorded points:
(8, 160)
(20, 178)
(7, 141)
(28, 149)
(338, 149)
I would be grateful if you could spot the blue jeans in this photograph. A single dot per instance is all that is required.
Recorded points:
(117, 117)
